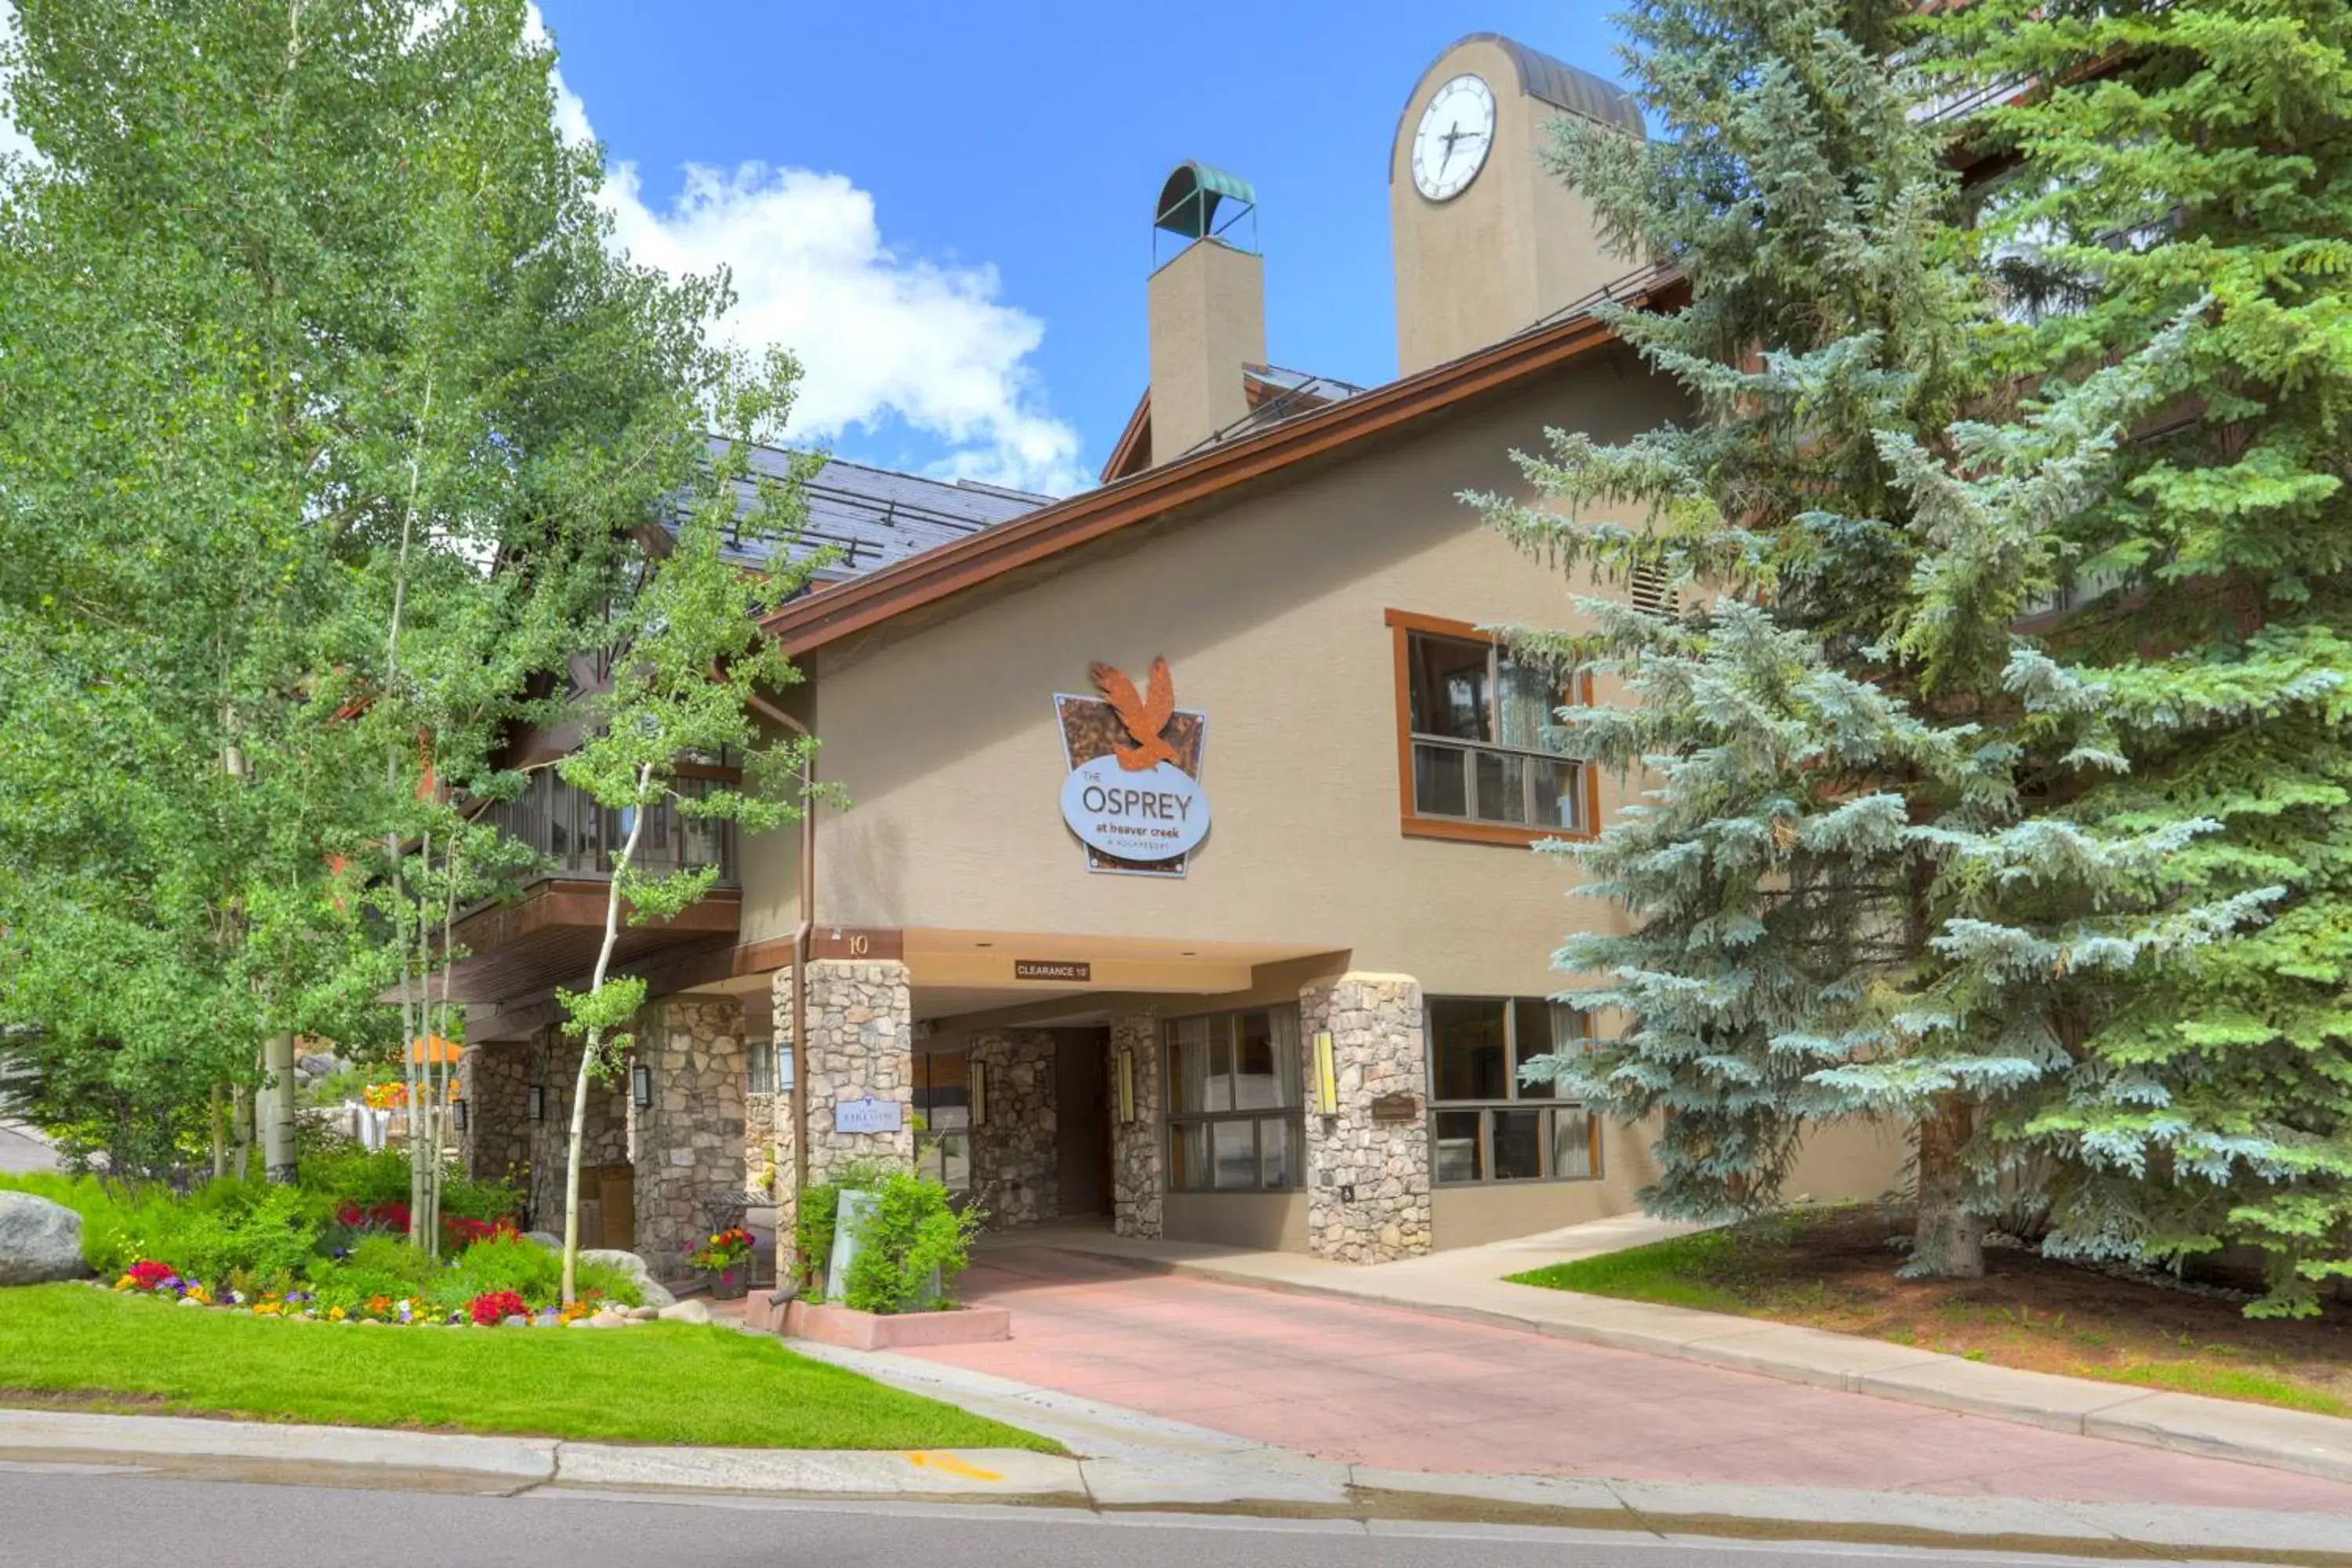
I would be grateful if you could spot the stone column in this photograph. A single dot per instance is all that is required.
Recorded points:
(687, 1145)
(494, 1080)
(861, 1044)
(762, 1174)
(1015, 1161)
(1138, 1148)
(555, 1058)
(1367, 1180)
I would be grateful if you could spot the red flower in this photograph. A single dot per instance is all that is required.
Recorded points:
(492, 1308)
(148, 1274)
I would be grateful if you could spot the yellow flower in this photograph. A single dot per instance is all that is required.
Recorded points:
(336, 1314)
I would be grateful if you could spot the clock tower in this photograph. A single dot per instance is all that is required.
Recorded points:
(1487, 239)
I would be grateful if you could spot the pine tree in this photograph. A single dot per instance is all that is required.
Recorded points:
(2196, 156)
(1842, 902)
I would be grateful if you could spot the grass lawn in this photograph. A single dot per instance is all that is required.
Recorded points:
(652, 1383)
(1832, 1270)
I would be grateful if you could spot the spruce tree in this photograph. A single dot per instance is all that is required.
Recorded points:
(1841, 901)
(2196, 156)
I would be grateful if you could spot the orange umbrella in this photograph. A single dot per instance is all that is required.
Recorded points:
(434, 1049)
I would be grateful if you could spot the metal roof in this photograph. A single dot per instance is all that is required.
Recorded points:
(872, 518)
(1188, 200)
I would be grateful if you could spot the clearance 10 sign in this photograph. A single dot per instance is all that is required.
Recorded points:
(1131, 802)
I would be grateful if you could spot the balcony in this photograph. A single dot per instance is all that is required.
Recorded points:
(574, 837)
(550, 935)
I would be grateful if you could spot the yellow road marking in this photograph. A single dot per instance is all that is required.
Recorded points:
(952, 1466)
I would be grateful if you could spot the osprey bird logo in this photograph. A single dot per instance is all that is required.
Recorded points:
(1144, 716)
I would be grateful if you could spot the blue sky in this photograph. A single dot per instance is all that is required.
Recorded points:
(946, 208)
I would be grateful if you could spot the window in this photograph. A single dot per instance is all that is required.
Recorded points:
(759, 1063)
(943, 1099)
(1478, 753)
(1234, 1105)
(1486, 1125)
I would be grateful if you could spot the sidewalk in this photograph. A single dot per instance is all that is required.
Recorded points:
(1468, 1286)
(1147, 1467)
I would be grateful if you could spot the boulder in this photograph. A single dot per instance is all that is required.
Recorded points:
(546, 1238)
(693, 1310)
(609, 1318)
(629, 1263)
(40, 1241)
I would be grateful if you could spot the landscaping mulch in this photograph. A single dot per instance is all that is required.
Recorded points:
(1837, 1270)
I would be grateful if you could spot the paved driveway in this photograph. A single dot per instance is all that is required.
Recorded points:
(22, 1151)
(1382, 1387)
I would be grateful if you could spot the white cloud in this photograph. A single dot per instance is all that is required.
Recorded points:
(882, 337)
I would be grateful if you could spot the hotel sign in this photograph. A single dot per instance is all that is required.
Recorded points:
(869, 1115)
(1133, 795)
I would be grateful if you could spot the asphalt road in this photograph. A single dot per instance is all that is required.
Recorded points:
(68, 1517)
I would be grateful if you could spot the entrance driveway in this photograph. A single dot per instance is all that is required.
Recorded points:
(1378, 1386)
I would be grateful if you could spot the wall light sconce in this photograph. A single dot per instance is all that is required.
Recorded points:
(539, 1102)
(977, 1092)
(1127, 1088)
(641, 1086)
(457, 1114)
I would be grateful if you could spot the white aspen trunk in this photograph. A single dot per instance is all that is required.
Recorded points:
(220, 1135)
(241, 1113)
(589, 1047)
(278, 1159)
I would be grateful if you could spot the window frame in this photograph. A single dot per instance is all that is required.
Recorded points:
(1228, 1035)
(1513, 1100)
(1411, 821)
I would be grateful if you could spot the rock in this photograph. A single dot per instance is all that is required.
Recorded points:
(514, 1321)
(629, 1263)
(40, 1241)
(190, 1302)
(642, 1314)
(688, 1312)
(547, 1240)
(579, 1323)
(607, 1318)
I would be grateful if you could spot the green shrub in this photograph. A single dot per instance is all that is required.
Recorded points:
(819, 1208)
(913, 1243)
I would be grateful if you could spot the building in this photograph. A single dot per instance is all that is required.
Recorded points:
(1185, 879)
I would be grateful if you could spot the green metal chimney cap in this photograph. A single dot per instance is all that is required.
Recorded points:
(1188, 202)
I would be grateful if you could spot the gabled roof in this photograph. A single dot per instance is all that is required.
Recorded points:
(1274, 394)
(872, 518)
(815, 620)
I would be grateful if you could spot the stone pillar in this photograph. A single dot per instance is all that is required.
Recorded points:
(861, 1044)
(605, 1139)
(1015, 1163)
(687, 1145)
(1139, 1145)
(1367, 1180)
(494, 1080)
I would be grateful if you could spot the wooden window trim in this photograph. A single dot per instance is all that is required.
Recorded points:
(1410, 822)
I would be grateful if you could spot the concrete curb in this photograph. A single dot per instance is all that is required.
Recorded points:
(1287, 1488)
(2185, 1423)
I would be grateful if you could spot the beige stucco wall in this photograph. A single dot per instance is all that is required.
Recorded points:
(1270, 614)
(1273, 1220)
(1855, 1160)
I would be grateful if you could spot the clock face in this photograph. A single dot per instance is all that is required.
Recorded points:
(1456, 131)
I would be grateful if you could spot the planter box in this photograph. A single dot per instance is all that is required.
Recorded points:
(874, 1331)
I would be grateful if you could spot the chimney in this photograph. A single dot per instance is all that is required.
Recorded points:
(1207, 309)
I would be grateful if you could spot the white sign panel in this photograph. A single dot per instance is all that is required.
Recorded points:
(869, 1115)
(1156, 813)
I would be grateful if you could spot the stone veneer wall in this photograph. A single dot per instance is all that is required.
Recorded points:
(1139, 1149)
(861, 1043)
(762, 1173)
(1015, 1164)
(494, 1080)
(555, 1065)
(687, 1145)
(1378, 1047)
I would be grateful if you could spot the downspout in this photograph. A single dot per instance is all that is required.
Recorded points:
(802, 944)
